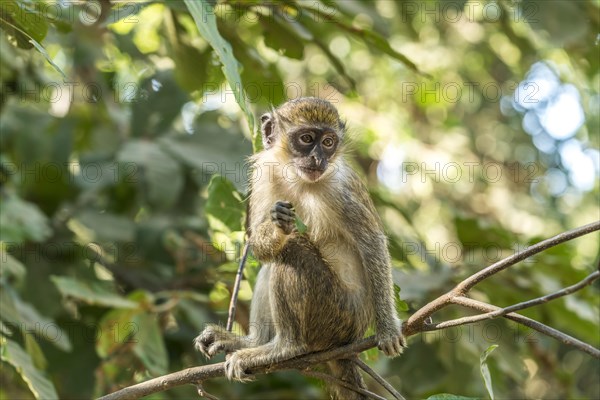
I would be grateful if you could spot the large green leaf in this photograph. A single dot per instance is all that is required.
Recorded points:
(10, 266)
(21, 19)
(117, 329)
(21, 220)
(26, 318)
(150, 346)
(40, 386)
(203, 13)
(161, 175)
(108, 226)
(224, 207)
(95, 293)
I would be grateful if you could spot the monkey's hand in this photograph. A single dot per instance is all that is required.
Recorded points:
(214, 339)
(390, 339)
(283, 216)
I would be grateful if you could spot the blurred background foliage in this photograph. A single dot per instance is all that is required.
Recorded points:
(124, 177)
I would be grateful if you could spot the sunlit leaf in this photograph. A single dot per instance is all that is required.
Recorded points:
(41, 387)
(95, 293)
(485, 371)
(225, 205)
(203, 13)
(150, 346)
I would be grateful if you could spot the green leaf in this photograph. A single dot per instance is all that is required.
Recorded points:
(203, 13)
(447, 396)
(371, 38)
(279, 37)
(485, 371)
(401, 305)
(150, 347)
(10, 266)
(23, 19)
(118, 329)
(40, 386)
(108, 226)
(95, 293)
(300, 226)
(26, 318)
(35, 351)
(224, 205)
(160, 173)
(43, 51)
(21, 221)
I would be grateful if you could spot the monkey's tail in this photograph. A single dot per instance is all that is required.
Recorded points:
(347, 371)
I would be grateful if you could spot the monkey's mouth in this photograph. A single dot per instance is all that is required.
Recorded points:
(310, 173)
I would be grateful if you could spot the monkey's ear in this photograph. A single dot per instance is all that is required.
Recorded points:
(267, 129)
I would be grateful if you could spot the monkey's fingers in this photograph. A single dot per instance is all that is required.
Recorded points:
(284, 203)
(202, 345)
(283, 207)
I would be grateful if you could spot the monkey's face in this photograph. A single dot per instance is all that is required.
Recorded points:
(312, 148)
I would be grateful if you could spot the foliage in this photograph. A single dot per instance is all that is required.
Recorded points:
(125, 127)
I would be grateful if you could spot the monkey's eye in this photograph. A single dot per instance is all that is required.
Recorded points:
(328, 142)
(306, 138)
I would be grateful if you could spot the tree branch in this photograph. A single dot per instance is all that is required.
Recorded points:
(415, 324)
(332, 379)
(417, 320)
(519, 306)
(378, 378)
(531, 323)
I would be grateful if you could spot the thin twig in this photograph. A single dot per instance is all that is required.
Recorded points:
(204, 393)
(516, 307)
(378, 378)
(326, 377)
(236, 287)
(531, 323)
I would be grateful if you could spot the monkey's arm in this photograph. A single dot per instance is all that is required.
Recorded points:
(365, 225)
(269, 237)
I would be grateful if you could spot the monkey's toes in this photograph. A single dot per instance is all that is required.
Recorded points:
(392, 346)
(235, 369)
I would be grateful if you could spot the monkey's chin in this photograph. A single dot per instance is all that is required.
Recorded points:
(309, 174)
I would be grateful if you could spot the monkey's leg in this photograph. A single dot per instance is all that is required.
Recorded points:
(347, 371)
(273, 352)
(215, 338)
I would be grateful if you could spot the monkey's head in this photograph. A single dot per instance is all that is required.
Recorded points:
(307, 133)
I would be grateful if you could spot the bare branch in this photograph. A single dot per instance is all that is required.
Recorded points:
(531, 323)
(204, 393)
(516, 307)
(236, 287)
(378, 378)
(332, 379)
(416, 322)
(463, 287)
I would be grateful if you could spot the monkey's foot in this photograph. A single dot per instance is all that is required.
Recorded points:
(392, 346)
(236, 366)
(214, 339)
